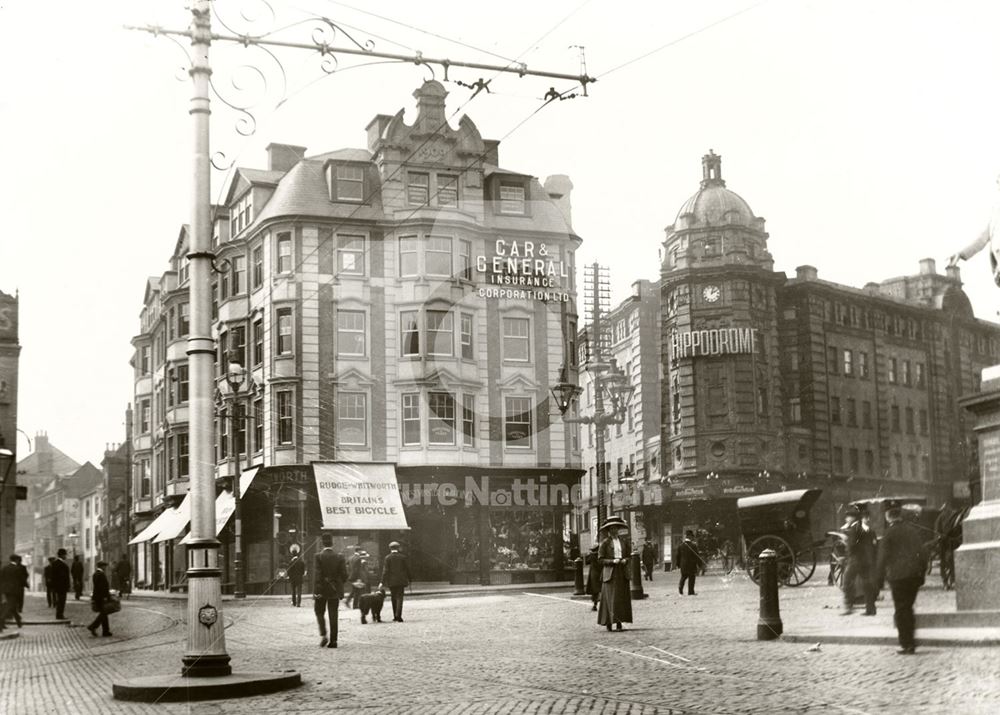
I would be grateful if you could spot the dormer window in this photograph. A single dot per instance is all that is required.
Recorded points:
(511, 198)
(350, 185)
(242, 214)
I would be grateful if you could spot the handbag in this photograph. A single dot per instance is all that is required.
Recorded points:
(112, 604)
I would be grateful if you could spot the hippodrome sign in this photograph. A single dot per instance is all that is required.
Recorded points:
(721, 341)
(522, 269)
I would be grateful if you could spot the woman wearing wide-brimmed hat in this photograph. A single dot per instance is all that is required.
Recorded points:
(616, 599)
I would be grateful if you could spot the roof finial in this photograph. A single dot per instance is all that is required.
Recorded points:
(711, 170)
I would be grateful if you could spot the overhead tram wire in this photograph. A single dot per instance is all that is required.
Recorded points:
(421, 30)
(677, 40)
(366, 199)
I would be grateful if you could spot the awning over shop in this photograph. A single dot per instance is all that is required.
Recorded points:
(180, 517)
(153, 529)
(225, 503)
(359, 496)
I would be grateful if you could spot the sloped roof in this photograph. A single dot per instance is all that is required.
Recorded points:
(303, 191)
(347, 154)
(62, 465)
(84, 480)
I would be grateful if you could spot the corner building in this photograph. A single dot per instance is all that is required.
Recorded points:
(410, 303)
(775, 383)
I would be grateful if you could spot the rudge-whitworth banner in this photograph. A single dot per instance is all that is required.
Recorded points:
(359, 496)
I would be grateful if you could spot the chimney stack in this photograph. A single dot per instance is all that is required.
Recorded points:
(927, 267)
(559, 188)
(282, 157)
(806, 273)
(376, 127)
(953, 272)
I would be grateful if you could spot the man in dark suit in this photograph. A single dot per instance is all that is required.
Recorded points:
(24, 581)
(354, 573)
(98, 596)
(395, 575)
(688, 560)
(60, 583)
(296, 570)
(50, 596)
(76, 571)
(11, 591)
(329, 574)
(648, 558)
(902, 561)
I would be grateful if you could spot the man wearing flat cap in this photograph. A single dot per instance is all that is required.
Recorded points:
(396, 576)
(902, 561)
(859, 565)
(616, 599)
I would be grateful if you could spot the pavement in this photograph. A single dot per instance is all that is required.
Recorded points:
(527, 650)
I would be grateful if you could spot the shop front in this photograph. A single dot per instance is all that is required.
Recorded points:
(478, 525)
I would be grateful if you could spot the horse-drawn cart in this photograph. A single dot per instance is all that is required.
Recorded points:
(780, 521)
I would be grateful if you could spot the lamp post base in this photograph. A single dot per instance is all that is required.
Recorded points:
(171, 689)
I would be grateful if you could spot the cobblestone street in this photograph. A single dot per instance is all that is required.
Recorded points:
(531, 652)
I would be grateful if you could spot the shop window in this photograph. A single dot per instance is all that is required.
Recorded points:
(352, 419)
(411, 418)
(440, 418)
(525, 539)
(518, 422)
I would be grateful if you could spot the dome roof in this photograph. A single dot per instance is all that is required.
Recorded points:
(714, 204)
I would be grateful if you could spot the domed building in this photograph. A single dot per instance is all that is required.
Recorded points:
(772, 383)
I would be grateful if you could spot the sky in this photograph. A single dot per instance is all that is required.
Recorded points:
(864, 133)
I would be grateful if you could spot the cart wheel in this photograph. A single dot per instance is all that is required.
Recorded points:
(786, 557)
(802, 570)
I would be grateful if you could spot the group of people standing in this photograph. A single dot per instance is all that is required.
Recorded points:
(332, 572)
(899, 558)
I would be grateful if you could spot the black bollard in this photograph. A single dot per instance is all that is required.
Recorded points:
(769, 624)
(636, 563)
(578, 577)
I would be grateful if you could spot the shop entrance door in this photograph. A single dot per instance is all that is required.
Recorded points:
(430, 549)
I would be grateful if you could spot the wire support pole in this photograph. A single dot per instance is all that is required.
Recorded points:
(518, 68)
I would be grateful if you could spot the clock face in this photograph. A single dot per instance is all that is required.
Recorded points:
(711, 293)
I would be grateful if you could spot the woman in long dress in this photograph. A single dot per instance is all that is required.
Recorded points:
(616, 598)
